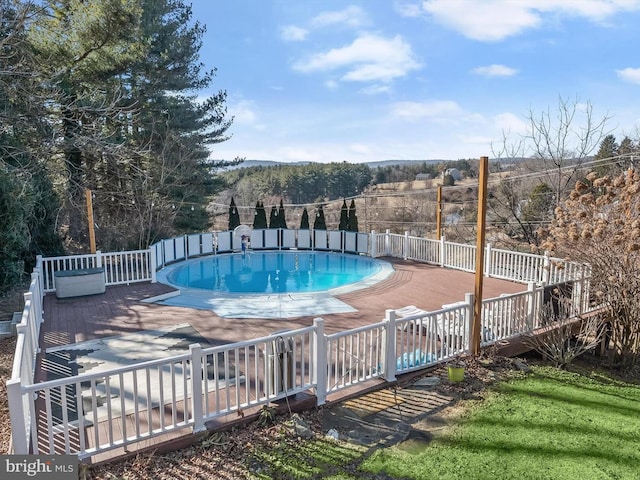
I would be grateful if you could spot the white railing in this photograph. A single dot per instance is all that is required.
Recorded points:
(96, 412)
(93, 413)
(355, 356)
(459, 256)
(24, 360)
(423, 250)
(119, 267)
(510, 265)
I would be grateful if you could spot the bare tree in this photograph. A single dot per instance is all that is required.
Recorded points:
(599, 224)
(563, 143)
(561, 337)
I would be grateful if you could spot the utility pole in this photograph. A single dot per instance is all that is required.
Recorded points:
(92, 234)
(480, 239)
(439, 213)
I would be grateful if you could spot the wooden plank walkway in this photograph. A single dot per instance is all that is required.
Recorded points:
(121, 310)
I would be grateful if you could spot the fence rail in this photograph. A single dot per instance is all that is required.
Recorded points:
(93, 413)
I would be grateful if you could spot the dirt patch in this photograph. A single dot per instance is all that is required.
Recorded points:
(7, 350)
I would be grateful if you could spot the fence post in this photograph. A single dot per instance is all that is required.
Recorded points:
(405, 250)
(18, 417)
(443, 259)
(579, 296)
(38, 294)
(374, 244)
(531, 307)
(152, 263)
(389, 344)
(487, 261)
(546, 268)
(40, 270)
(320, 365)
(387, 243)
(196, 387)
(470, 301)
(98, 259)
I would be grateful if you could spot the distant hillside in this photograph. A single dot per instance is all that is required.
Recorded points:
(380, 163)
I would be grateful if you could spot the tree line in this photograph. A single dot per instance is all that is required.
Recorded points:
(277, 217)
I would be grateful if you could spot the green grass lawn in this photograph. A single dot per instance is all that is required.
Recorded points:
(552, 424)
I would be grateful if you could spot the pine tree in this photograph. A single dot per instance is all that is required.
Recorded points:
(122, 81)
(320, 223)
(273, 218)
(282, 222)
(353, 218)
(304, 220)
(234, 215)
(607, 151)
(256, 216)
(263, 216)
(344, 216)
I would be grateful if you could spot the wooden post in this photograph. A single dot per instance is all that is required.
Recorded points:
(92, 233)
(480, 238)
(439, 213)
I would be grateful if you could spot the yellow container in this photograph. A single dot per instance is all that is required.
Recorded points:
(456, 373)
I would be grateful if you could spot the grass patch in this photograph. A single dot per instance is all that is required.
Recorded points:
(552, 424)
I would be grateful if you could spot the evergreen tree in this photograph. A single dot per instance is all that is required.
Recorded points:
(256, 216)
(122, 81)
(273, 218)
(234, 215)
(608, 149)
(304, 220)
(282, 222)
(353, 218)
(263, 216)
(344, 217)
(320, 223)
(539, 206)
(627, 146)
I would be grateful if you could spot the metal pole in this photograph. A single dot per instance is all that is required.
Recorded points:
(480, 239)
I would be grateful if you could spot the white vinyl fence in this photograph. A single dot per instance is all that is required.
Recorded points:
(91, 413)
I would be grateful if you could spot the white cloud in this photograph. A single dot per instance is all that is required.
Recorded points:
(629, 74)
(482, 20)
(407, 8)
(508, 122)
(361, 148)
(292, 33)
(368, 58)
(440, 109)
(376, 89)
(495, 71)
(244, 113)
(495, 20)
(351, 16)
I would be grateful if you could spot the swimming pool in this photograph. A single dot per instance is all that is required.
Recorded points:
(267, 272)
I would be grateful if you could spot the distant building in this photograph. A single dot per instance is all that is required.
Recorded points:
(423, 176)
(454, 172)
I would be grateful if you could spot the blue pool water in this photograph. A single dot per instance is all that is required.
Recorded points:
(274, 272)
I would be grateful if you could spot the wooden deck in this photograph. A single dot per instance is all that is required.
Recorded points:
(120, 310)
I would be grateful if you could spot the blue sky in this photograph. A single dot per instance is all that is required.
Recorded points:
(375, 80)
